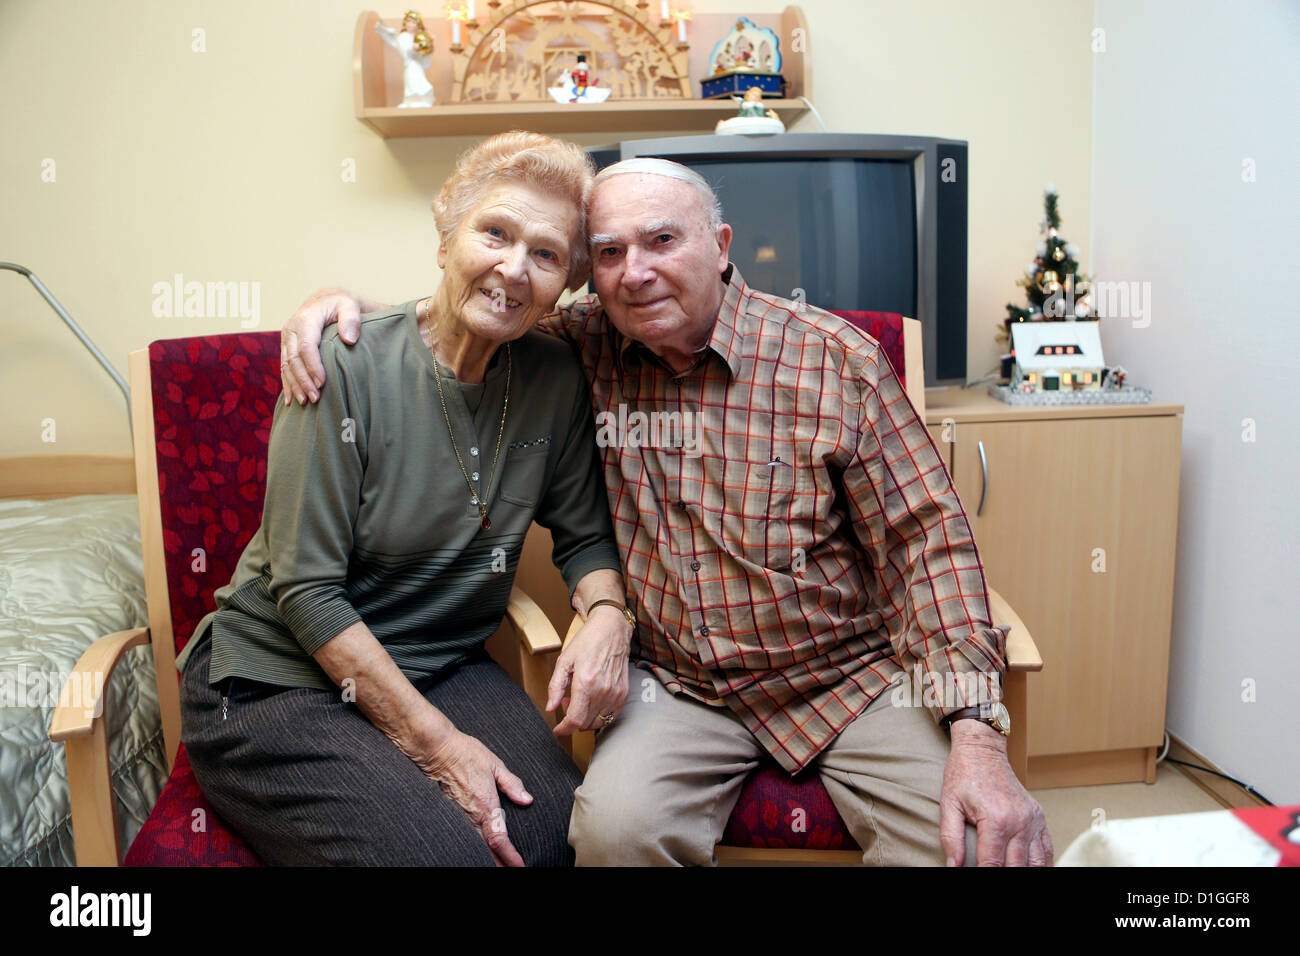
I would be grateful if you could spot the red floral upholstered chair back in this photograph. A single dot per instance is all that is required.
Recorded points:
(213, 398)
(887, 329)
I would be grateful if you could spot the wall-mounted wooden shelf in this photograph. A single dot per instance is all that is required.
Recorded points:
(377, 83)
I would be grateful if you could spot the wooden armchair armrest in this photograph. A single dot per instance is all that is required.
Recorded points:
(537, 648)
(81, 704)
(535, 630)
(80, 723)
(1022, 652)
(1022, 659)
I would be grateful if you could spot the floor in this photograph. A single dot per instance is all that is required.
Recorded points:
(1072, 810)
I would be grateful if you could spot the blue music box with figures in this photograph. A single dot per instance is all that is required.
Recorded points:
(749, 56)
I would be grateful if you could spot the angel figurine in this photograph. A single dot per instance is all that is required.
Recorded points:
(416, 47)
(752, 117)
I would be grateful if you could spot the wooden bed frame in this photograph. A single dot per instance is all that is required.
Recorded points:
(61, 476)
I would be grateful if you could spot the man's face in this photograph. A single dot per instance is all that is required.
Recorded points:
(656, 262)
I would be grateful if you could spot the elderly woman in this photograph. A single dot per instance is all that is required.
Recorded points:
(338, 706)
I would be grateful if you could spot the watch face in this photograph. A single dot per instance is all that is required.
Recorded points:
(1001, 718)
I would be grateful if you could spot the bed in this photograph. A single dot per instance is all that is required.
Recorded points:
(70, 572)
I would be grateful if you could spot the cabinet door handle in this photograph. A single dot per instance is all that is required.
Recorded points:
(984, 488)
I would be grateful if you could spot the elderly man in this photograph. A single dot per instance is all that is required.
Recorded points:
(793, 552)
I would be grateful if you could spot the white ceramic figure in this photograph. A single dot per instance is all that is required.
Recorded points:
(416, 48)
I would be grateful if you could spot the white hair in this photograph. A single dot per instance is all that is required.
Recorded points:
(652, 166)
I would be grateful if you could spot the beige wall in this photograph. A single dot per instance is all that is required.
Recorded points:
(225, 165)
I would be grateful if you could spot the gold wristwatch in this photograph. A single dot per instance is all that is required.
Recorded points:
(995, 715)
(631, 618)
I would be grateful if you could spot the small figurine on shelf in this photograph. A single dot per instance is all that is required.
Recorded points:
(752, 117)
(416, 47)
(722, 59)
(577, 86)
(744, 53)
(580, 74)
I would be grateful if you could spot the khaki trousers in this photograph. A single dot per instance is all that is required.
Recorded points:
(666, 775)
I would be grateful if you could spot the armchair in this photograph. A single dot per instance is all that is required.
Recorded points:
(201, 425)
(758, 831)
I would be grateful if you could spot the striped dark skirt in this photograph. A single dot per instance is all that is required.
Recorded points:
(306, 779)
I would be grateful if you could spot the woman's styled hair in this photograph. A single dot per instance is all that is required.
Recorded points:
(550, 165)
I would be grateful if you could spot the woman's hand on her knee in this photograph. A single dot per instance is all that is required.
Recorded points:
(471, 774)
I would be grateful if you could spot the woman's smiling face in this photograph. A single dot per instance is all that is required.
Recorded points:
(507, 263)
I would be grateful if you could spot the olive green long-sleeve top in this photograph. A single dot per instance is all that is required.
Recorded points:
(368, 516)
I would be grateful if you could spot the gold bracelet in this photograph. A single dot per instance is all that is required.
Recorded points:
(631, 618)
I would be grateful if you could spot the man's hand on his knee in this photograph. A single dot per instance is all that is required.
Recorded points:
(979, 786)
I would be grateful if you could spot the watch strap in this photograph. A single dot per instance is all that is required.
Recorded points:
(623, 608)
(976, 712)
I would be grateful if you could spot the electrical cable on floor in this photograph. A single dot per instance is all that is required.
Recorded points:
(1183, 763)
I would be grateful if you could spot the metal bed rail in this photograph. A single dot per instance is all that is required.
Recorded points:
(71, 323)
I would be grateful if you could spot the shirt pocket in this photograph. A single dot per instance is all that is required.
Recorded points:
(767, 512)
(524, 475)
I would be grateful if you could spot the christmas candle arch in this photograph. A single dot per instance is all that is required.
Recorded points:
(644, 36)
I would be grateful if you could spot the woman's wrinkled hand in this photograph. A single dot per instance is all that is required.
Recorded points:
(471, 774)
(301, 371)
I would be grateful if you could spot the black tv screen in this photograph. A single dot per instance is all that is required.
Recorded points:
(841, 229)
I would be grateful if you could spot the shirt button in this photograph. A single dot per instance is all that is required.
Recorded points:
(681, 505)
(474, 452)
(695, 565)
(474, 475)
(704, 631)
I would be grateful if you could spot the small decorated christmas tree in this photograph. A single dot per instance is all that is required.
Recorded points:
(1054, 288)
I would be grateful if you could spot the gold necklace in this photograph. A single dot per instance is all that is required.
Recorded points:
(486, 522)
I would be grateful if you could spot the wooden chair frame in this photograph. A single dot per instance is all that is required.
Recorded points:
(94, 823)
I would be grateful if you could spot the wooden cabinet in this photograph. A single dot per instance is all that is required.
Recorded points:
(1074, 511)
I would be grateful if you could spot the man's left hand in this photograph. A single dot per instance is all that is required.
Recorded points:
(590, 675)
(979, 786)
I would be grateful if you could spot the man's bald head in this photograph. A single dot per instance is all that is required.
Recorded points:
(652, 166)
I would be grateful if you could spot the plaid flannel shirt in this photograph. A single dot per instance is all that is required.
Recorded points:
(792, 542)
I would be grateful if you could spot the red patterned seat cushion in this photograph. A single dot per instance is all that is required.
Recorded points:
(174, 835)
(213, 400)
(777, 812)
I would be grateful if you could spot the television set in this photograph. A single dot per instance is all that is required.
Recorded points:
(856, 221)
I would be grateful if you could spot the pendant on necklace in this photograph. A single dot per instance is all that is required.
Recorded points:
(487, 522)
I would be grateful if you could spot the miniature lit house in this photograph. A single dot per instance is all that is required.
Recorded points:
(1056, 356)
